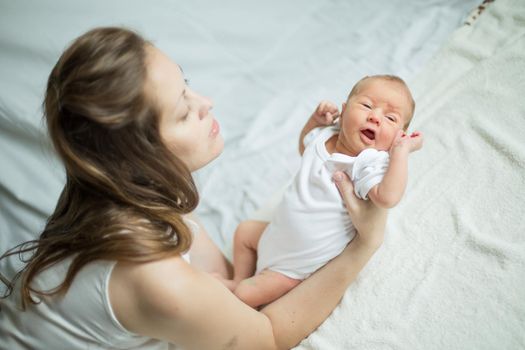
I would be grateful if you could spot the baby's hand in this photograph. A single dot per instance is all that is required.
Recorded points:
(326, 113)
(410, 143)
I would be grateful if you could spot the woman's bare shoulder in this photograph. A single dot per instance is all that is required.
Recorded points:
(139, 274)
(135, 287)
(166, 298)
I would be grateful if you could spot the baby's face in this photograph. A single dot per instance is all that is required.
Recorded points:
(372, 117)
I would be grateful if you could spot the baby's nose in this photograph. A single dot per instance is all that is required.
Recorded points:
(373, 118)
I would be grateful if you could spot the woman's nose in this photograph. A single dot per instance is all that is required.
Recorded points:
(207, 102)
(206, 105)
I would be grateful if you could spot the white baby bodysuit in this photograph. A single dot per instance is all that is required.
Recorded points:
(311, 225)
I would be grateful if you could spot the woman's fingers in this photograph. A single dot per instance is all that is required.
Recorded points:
(368, 219)
(346, 189)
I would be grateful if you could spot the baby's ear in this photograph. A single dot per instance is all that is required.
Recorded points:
(343, 107)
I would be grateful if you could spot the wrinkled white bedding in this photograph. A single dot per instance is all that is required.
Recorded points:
(451, 272)
(265, 64)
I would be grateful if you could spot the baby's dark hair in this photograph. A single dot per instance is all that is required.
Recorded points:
(388, 77)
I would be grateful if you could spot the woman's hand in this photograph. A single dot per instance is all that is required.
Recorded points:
(368, 219)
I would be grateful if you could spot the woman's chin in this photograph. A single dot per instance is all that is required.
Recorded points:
(218, 147)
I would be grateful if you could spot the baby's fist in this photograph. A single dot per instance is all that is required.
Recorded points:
(415, 141)
(326, 113)
(410, 143)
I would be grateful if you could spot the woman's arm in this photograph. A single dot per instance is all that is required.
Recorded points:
(173, 301)
(170, 300)
(299, 312)
(206, 256)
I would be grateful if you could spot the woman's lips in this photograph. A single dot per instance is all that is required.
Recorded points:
(215, 128)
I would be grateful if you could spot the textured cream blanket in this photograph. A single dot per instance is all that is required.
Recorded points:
(451, 274)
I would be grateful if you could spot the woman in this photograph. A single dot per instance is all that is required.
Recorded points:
(121, 263)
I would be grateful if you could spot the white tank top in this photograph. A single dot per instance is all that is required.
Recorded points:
(82, 319)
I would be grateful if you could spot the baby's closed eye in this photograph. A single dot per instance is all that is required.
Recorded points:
(391, 118)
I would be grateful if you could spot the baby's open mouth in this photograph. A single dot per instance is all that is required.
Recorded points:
(370, 134)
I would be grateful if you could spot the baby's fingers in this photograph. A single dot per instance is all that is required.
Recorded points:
(329, 119)
(327, 106)
(332, 107)
(326, 112)
(416, 141)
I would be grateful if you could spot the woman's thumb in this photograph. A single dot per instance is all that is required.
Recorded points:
(345, 186)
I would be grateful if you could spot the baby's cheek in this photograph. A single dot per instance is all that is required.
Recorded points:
(391, 136)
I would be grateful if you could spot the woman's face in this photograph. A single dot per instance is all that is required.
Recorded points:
(186, 124)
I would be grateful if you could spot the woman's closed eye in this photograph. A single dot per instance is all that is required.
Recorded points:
(186, 113)
(184, 116)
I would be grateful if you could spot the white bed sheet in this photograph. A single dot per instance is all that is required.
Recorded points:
(266, 65)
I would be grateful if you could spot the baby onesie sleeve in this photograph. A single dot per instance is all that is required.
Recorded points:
(311, 135)
(369, 168)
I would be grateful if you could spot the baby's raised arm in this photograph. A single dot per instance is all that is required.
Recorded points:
(325, 114)
(390, 190)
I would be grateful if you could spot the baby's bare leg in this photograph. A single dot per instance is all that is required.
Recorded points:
(246, 238)
(245, 243)
(264, 288)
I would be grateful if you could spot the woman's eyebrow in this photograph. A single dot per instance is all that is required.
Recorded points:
(183, 90)
(182, 73)
(186, 81)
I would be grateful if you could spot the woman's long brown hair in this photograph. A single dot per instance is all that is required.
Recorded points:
(125, 192)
